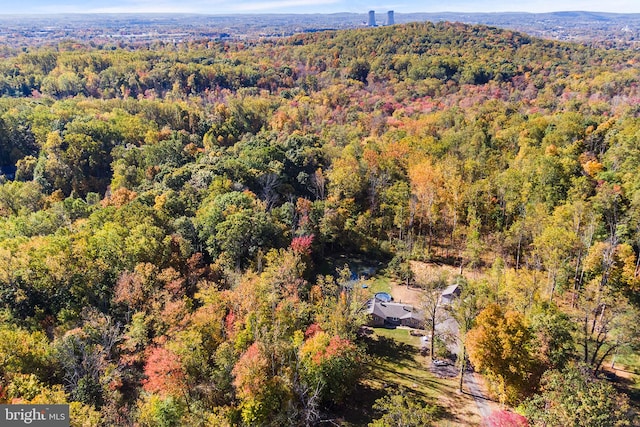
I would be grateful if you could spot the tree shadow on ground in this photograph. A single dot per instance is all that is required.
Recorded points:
(479, 396)
(396, 365)
(388, 348)
(358, 409)
(625, 382)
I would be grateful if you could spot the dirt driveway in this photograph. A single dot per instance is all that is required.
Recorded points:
(424, 272)
(473, 384)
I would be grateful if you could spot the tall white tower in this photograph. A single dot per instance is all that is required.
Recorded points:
(372, 18)
(390, 19)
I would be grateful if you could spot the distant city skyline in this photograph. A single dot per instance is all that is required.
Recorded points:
(222, 7)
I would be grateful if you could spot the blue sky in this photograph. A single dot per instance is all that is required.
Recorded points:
(311, 6)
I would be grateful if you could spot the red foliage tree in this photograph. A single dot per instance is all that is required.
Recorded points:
(313, 329)
(302, 244)
(504, 418)
(250, 372)
(164, 373)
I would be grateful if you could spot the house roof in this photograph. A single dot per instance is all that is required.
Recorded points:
(395, 310)
(451, 290)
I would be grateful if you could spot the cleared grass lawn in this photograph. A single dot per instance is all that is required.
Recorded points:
(399, 335)
(628, 362)
(379, 284)
(396, 361)
(627, 373)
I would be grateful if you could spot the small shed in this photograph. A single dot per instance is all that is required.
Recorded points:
(450, 293)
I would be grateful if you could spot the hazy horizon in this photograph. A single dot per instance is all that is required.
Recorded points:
(227, 7)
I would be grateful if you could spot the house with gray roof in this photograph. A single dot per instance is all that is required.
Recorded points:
(383, 313)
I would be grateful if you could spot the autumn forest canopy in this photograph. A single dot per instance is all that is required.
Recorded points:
(173, 216)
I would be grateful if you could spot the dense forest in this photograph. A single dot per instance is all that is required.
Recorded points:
(172, 218)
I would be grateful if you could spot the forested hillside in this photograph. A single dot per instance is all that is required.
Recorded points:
(171, 218)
